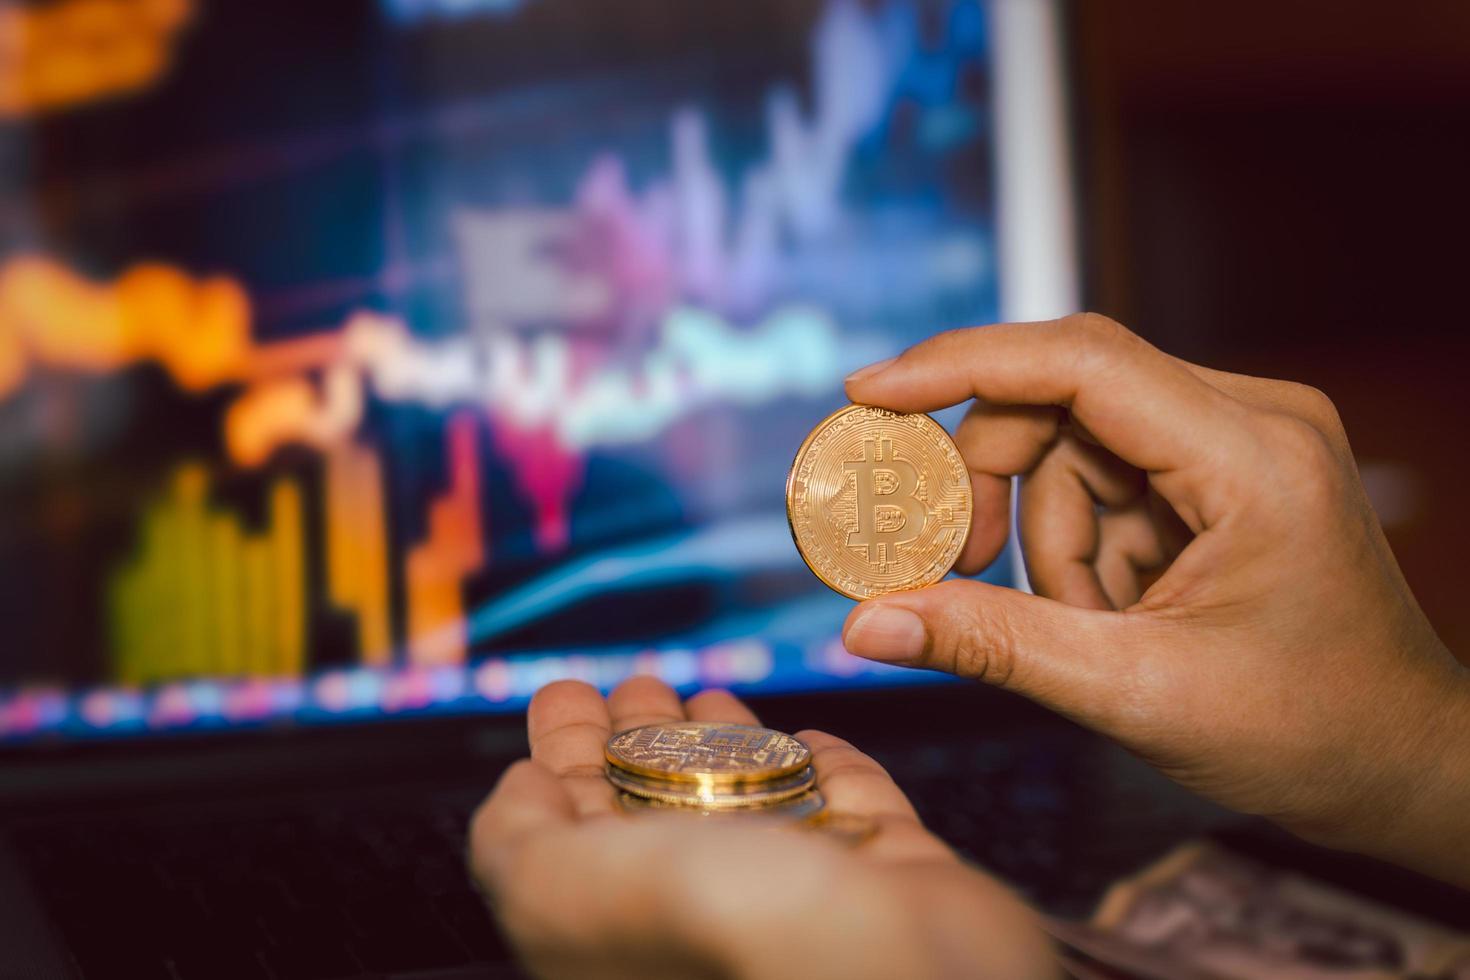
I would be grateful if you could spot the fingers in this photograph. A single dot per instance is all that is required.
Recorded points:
(1059, 536)
(1144, 406)
(997, 442)
(852, 782)
(1129, 547)
(1004, 440)
(1059, 519)
(569, 725)
(643, 701)
(990, 523)
(1075, 661)
(721, 706)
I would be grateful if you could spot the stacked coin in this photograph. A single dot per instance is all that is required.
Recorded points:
(713, 768)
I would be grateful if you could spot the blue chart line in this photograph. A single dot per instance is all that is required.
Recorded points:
(409, 11)
(721, 552)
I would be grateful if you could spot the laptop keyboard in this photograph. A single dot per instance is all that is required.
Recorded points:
(361, 891)
(376, 886)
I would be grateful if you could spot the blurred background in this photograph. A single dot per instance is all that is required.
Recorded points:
(394, 357)
(1281, 189)
(254, 287)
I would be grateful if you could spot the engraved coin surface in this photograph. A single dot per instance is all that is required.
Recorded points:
(878, 501)
(707, 753)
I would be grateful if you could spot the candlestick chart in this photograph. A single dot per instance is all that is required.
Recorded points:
(491, 362)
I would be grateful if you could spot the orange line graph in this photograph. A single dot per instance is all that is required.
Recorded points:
(290, 410)
(311, 390)
(197, 329)
(71, 52)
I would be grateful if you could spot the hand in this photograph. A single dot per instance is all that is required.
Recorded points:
(1213, 588)
(585, 890)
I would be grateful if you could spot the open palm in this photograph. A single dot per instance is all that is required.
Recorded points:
(583, 889)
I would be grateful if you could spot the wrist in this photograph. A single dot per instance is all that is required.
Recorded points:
(1435, 817)
(1416, 806)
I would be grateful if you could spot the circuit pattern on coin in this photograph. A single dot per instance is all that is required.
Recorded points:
(707, 752)
(878, 501)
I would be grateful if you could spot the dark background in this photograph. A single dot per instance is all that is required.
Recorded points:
(1281, 189)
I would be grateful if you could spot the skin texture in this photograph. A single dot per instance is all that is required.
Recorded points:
(1213, 589)
(586, 891)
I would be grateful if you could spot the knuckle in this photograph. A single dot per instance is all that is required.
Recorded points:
(1315, 400)
(1318, 408)
(1103, 328)
(981, 645)
(1098, 342)
(1305, 459)
(1300, 442)
(1104, 332)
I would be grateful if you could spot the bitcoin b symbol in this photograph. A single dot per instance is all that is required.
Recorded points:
(889, 512)
(878, 501)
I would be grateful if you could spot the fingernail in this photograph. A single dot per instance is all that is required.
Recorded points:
(888, 633)
(870, 370)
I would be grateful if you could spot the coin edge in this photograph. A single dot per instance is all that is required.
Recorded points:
(755, 801)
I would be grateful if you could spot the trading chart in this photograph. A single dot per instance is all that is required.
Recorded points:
(400, 357)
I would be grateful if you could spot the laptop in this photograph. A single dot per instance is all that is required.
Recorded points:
(367, 364)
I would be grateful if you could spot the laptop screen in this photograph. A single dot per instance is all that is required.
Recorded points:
(361, 359)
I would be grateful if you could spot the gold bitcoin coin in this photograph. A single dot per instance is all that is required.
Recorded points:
(707, 753)
(730, 795)
(878, 501)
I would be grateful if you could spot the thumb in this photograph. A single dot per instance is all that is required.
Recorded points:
(1075, 661)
